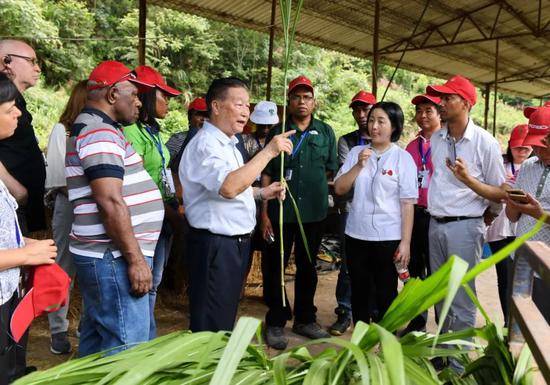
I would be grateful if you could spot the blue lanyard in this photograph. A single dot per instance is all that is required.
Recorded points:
(361, 141)
(258, 143)
(158, 144)
(18, 237)
(300, 142)
(513, 168)
(423, 157)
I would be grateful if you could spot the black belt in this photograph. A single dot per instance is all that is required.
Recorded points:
(452, 219)
(422, 210)
(204, 231)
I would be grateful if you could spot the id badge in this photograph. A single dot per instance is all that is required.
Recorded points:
(288, 174)
(169, 181)
(423, 176)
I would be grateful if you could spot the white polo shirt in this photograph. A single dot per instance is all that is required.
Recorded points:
(375, 211)
(206, 161)
(449, 197)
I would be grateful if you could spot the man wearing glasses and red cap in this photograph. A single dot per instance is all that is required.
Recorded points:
(360, 104)
(457, 200)
(533, 180)
(118, 214)
(307, 169)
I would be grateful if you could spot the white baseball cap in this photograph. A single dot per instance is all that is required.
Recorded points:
(265, 113)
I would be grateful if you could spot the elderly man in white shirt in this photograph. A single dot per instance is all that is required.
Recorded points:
(458, 197)
(219, 205)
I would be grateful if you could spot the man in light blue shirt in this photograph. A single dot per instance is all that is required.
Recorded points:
(219, 205)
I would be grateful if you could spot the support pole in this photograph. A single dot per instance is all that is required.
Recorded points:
(487, 95)
(270, 54)
(375, 50)
(496, 89)
(142, 31)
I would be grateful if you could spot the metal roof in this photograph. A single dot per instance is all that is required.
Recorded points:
(448, 37)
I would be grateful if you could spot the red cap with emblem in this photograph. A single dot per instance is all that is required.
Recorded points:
(518, 135)
(457, 85)
(111, 72)
(300, 81)
(153, 78)
(363, 97)
(539, 127)
(198, 104)
(425, 98)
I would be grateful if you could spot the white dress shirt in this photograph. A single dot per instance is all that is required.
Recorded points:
(386, 180)
(55, 157)
(207, 160)
(449, 197)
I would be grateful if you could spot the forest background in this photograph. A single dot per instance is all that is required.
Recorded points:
(71, 36)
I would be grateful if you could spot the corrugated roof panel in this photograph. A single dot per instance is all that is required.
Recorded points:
(347, 26)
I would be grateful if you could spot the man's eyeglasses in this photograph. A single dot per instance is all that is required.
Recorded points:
(298, 98)
(32, 60)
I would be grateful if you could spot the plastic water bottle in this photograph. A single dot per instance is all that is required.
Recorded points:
(402, 272)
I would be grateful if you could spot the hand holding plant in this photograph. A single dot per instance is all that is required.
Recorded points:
(274, 190)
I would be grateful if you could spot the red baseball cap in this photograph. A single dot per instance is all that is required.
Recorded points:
(300, 81)
(49, 291)
(198, 104)
(363, 97)
(529, 110)
(425, 98)
(518, 135)
(457, 85)
(153, 78)
(111, 72)
(539, 127)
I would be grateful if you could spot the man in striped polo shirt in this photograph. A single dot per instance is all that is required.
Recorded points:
(118, 213)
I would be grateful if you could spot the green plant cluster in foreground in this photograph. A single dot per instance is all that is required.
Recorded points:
(373, 355)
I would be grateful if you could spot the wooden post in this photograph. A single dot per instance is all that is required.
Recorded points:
(375, 53)
(487, 95)
(270, 54)
(496, 89)
(142, 31)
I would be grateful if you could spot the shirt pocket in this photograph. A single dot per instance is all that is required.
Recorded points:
(318, 148)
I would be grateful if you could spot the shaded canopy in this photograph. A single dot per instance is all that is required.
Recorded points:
(450, 37)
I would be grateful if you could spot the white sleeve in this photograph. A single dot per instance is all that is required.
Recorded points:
(408, 177)
(350, 161)
(494, 173)
(55, 157)
(205, 167)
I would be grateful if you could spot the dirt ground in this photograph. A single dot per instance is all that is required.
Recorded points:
(171, 313)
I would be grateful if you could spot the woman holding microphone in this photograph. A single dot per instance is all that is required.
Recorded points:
(379, 226)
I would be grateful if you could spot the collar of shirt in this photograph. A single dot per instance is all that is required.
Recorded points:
(468, 133)
(219, 134)
(106, 118)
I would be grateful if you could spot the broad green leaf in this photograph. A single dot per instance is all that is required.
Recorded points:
(393, 355)
(236, 347)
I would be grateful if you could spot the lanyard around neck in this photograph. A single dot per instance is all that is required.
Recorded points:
(300, 142)
(158, 143)
(423, 157)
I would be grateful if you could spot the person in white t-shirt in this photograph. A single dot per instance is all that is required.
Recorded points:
(379, 226)
(502, 232)
(62, 218)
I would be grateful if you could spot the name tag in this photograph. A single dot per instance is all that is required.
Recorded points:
(423, 178)
(168, 182)
(288, 174)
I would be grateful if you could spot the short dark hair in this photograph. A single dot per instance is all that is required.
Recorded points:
(395, 114)
(218, 89)
(437, 106)
(8, 90)
(148, 110)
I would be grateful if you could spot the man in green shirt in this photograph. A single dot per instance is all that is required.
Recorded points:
(307, 170)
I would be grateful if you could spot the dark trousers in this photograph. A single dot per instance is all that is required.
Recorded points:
(217, 265)
(343, 285)
(12, 354)
(306, 275)
(419, 265)
(503, 275)
(371, 262)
